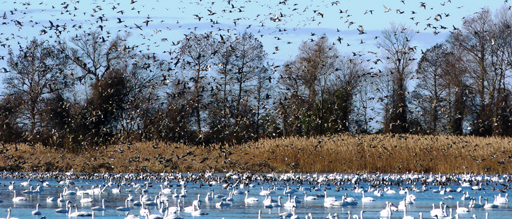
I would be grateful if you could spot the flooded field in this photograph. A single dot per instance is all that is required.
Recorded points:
(243, 195)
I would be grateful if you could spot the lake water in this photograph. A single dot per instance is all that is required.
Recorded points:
(335, 185)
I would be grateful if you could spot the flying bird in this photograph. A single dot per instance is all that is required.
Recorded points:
(361, 29)
(275, 18)
(387, 9)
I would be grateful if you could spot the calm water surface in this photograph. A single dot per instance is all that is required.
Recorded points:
(336, 187)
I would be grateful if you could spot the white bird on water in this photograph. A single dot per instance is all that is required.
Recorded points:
(9, 215)
(249, 199)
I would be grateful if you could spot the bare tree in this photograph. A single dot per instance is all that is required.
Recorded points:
(343, 87)
(248, 62)
(457, 85)
(145, 78)
(399, 55)
(475, 40)
(501, 64)
(94, 55)
(263, 95)
(429, 92)
(196, 56)
(37, 71)
(318, 89)
(315, 63)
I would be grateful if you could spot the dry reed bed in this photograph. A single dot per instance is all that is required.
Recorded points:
(339, 153)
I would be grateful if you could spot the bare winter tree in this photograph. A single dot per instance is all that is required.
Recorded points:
(196, 56)
(94, 55)
(36, 72)
(263, 95)
(457, 85)
(429, 93)
(344, 85)
(475, 38)
(501, 64)
(145, 77)
(248, 62)
(304, 80)
(318, 89)
(399, 55)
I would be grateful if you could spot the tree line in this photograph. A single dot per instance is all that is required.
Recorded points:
(94, 90)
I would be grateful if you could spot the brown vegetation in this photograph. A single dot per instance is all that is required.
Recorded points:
(339, 153)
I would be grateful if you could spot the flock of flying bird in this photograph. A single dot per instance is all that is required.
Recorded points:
(149, 22)
(150, 195)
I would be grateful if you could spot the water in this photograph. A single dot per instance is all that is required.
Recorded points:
(239, 209)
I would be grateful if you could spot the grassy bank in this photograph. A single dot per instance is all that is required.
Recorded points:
(340, 153)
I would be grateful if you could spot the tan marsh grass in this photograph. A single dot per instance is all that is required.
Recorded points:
(338, 153)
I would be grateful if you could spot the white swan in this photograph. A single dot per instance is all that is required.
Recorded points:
(451, 215)
(461, 209)
(490, 205)
(367, 199)
(172, 216)
(407, 216)
(357, 217)
(349, 200)
(409, 198)
(198, 200)
(175, 195)
(190, 208)
(291, 202)
(28, 191)
(9, 215)
(465, 196)
(153, 216)
(174, 209)
(80, 213)
(64, 210)
(264, 192)
(61, 199)
(165, 190)
(249, 199)
(309, 198)
(473, 203)
(499, 200)
(278, 203)
(437, 211)
(267, 202)
(18, 199)
(100, 208)
(402, 205)
(197, 211)
(230, 197)
(25, 183)
(125, 208)
(68, 193)
(137, 202)
(36, 212)
(116, 190)
(216, 195)
(223, 203)
(209, 197)
(85, 200)
(386, 212)
(328, 199)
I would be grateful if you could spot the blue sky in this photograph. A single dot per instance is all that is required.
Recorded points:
(301, 18)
